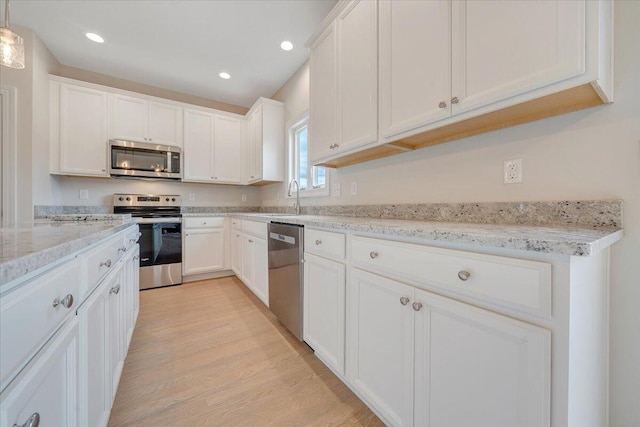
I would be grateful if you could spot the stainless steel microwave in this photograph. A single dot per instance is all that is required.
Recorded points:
(144, 160)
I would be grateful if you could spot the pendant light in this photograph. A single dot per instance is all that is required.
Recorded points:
(11, 44)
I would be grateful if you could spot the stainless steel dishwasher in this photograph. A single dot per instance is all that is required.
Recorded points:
(285, 275)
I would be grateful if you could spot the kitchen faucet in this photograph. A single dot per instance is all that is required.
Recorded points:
(297, 194)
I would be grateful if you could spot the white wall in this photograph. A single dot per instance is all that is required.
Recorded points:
(591, 154)
(101, 191)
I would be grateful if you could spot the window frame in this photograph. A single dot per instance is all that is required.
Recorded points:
(293, 159)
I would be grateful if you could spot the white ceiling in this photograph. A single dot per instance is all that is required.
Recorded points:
(180, 45)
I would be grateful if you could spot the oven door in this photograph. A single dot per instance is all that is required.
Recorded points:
(160, 243)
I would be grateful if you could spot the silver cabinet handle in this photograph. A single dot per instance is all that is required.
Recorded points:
(252, 176)
(442, 104)
(318, 242)
(33, 421)
(106, 263)
(455, 100)
(250, 241)
(463, 275)
(115, 289)
(136, 257)
(66, 302)
(103, 170)
(373, 254)
(417, 306)
(123, 249)
(332, 146)
(404, 300)
(145, 259)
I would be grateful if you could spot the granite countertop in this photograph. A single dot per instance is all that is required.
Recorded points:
(30, 246)
(546, 239)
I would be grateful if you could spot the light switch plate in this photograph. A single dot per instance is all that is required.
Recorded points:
(335, 192)
(354, 188)
(192, 197)
(244, 197)
(84, 194)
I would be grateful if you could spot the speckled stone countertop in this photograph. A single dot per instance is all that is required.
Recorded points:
(31, 246)
(555, 240)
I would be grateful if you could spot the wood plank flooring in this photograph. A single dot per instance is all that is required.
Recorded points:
(209, 353)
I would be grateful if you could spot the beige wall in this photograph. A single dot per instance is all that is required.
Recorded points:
(101, 79)
(591, 154)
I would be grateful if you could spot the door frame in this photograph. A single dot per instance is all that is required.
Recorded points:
(8, 144)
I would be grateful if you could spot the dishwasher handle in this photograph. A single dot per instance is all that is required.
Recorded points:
(283, 238)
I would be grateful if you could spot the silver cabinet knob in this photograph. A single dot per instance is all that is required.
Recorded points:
(373, 254)
(252, 176)
(442, 104)
(416, 306)
(122, 249)
(106, 263)
(103, 170)
(463, 275)
(115, 289)
(139, 234)
(250, 241)
(336, 146)
(404, 300)
(66, 302)
(332, 146)
(318, 242)
(33, 421)
(455, 100)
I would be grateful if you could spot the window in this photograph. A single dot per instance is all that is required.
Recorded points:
(312, 179)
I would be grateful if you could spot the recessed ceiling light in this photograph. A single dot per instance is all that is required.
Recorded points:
(286, 45)
(94, 37)
(225, 75)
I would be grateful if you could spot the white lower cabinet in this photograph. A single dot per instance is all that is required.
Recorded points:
(425, 360)
(249, 250)
(236, 252)
(324, 309)
(48, 392)
(204, 245)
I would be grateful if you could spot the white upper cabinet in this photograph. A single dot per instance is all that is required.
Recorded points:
(198, 146)
(322, 104)
(344, 82)
(212, 148)
(136, 119)
(78, 130)
(264, 155)
(357, 66)
(415, 64)
(504, 48)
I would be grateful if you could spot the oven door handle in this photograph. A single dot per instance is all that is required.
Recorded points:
(158, 220)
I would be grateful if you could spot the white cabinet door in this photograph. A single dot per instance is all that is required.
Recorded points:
(227, 153)
(131, 289)
(504, 48)
(83, 131)
(258, 123)
(475, 367)
(381, 344)
(165, 124)
(248, 261)
(198, 146)
(250, 150)
(324, 310)
(95, 387)
(115, 334)
(129, 118)
(415, 64)
(203, 250)
(236, 252)
(49, 388)
(322, 95)
(261, 272)
(357, 30)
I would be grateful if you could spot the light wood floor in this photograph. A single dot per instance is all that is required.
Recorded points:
(210, 353)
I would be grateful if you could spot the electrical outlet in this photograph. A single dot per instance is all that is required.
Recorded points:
(354, 188)
(244, 197)
(192, 197)
(513, 171)
(84, 194)
(335, 191)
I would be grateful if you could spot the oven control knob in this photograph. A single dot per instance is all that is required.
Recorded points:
(128, 199)
(121, 198)
(167, 199)
(173, 199)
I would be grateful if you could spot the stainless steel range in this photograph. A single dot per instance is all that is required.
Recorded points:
(160, 223)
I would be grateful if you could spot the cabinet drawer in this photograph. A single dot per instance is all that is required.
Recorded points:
(511, 283)
(324, 243)
(131, 236)
(236, 224)
(101, 260)
(258, 229)
(28, 316)
(204, 222)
